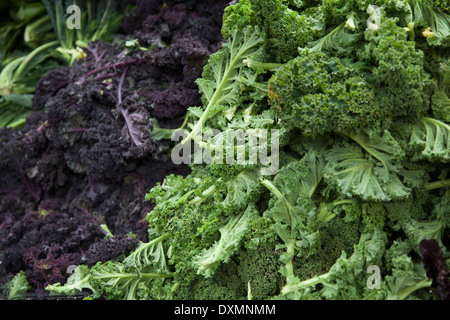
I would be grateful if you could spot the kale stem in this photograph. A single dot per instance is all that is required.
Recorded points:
(184, 198)
(153, 242)
(437, 184)
(105, 76)
(124, 113)
(290, 250)
(304, 284)
(120, 85)
(436, 122)
(156, 275)
(341, 202)
(234, 61)
(425, 283)
(261, 65)
(33, 54)
(201, 122)
(185, 122)
(109, 65)
(148, 275)
(160, 238)
(94, 53)
(326, 213)
(205, 194)
(364, 146)
(269, 185)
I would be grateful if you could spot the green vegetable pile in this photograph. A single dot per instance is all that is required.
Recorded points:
(356, 94)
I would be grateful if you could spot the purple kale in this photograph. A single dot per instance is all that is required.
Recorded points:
(85, 156)
(435, 267)
(50, 267)
(174, 101)
(109, 249)
(166, 21)
(136, 132)
(49, 85)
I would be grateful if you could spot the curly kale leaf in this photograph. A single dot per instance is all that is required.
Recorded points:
(285, 29)
(219, 85)
(241, 190)
(321, 94)
(147, 254)
(346, 279)
(140, 276)
(294, 184)
(118, 283)
(18, 286)
(441, 105)
(231, 236)
(431, 138)
(406, 278)
(398, 64)
(341, 38)
(291, 208)
(427, 15)
(440, 99)
(79, 280)
(208, 214)
(372, 176)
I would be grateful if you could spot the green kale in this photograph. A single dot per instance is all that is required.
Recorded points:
(335, 237)
(283, 28)
(322, 94)
(405, 279)
(141, 275)
(18, 286)
(441, 102)
(292, 209)
(346, 278)
(259, 269)
(225, 285)
(218, 85)
(372, 176)
(398, 65)
(230, 239)
(431, 138)
(434, 22)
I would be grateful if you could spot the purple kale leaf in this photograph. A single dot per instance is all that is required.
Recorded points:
(435, 267)
(136, 132)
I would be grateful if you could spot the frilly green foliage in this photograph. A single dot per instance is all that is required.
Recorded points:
(18, 286)
(323, 94)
